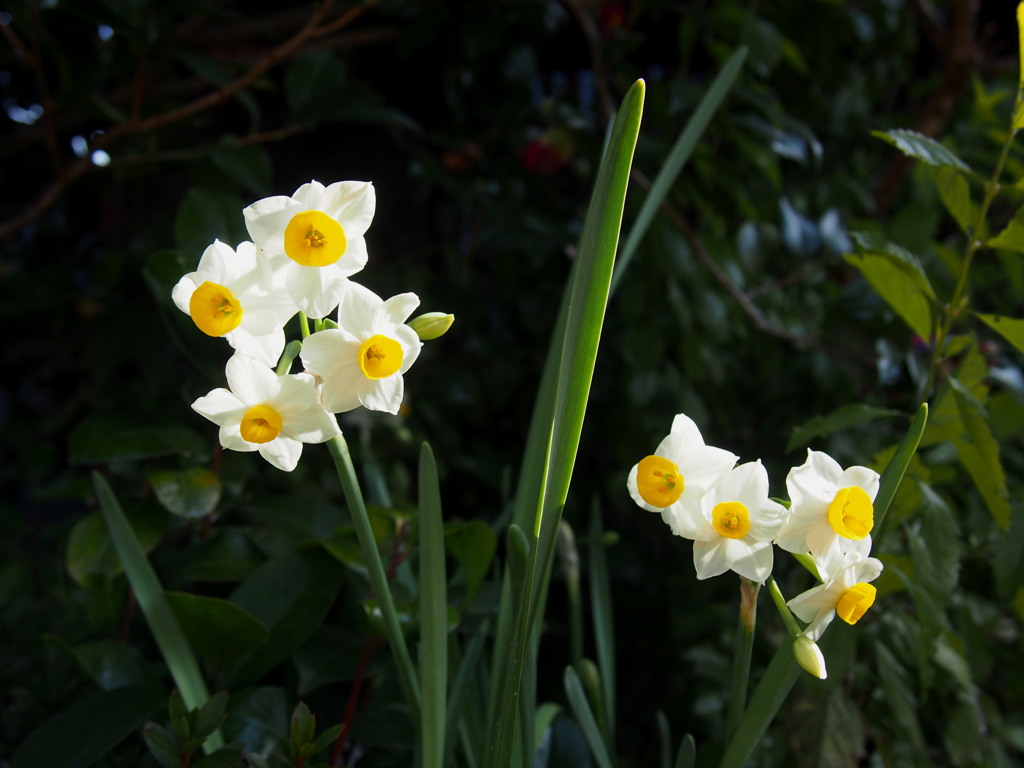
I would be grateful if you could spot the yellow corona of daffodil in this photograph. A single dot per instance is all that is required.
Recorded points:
(315, 237)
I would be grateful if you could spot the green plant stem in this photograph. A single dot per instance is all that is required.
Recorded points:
(958, 301)
(780, 603)
(303, 325)
(378, 578)
(744, 644)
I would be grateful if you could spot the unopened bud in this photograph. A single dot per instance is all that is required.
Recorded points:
(432, 325)
(809, 656)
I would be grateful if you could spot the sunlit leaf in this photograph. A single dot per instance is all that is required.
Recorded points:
(920, 147)
(1010, 328)
(898, 277)
(190, 493)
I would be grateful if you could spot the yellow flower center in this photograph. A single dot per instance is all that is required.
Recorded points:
(659, 481)
(314, 239)
(851, 513)
(380, 357)
(214, 309)
(731, 519)
(855, 601)
(261, 424)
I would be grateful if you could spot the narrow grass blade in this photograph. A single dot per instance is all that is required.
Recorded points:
(678, 157)
(433, 616)
(893, 474)
(153, 603)
(585, 718)
(687, 754)
(604, 632)
(461, 686)
(584, 319)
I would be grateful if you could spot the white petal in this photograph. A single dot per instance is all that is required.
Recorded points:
(283, 452)
(231, 438)
(753, 560)
(385, 395)
(398, 308)
(709, 558)
(634, 490)
(315, 290)
(267, 219)
(252, 381)
(411, 345)
(357, 308)
(182, 292)
(311, 196)
(221, 407)
(354, 258)
(352, 203)
(266, 349)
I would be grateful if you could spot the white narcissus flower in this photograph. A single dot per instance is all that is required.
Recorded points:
(846, 592)
(233, 294)
(738, 525)
(672, 480)
(268, 413)
(316, 237)
(361, 362)
(832, 508)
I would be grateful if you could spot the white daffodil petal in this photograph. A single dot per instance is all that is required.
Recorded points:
(385, 395)
(709, 559)
(283, 452)
(219, 406)
(353, 202)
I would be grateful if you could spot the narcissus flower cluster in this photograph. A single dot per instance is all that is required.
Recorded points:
(304, 250)
(725, 509)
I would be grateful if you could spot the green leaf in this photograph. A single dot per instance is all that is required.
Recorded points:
(248, 166)
(827, 730)
(559, 440)
(92, 558)
(230, 756)
(899, 279)
(162, 745)
(604, 621)
(87, 730)
(113, 665)
(673, 164)
(1010, 328)
(311, 84)
(687, 755)
(329, 656)
(101, 439)
(979, 453)
(218, 629)
(891, 478)
(901, 701)
(190, 493)
(956, 195)
(839, 420)
(472, 543)
(169, 638)
(920, 147)
(290, 594)
(585, 717)
(1012, 237)
(206, 215)
(433, 659)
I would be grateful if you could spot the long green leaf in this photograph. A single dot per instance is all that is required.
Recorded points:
(585, 718)
(677, 158)
(585, 317)
(433, 615)
(169, 637)
(897, 467)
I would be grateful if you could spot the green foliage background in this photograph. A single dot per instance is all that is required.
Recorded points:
(481, 125)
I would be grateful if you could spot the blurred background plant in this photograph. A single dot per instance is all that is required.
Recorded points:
(136, 132)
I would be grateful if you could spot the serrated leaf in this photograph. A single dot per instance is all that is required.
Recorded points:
(979, 453)
(841, 419)
(901, 281)
(1010, 328)
(161, 745)
(190, 493)
(920, 147)
(1012, 236)
(955, 193)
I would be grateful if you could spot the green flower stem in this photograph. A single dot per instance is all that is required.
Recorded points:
(741, 660)
(807, 562)
(378, 578)
(303, 325)
(780, 602)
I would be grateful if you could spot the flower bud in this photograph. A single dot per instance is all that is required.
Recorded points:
(809, 656)
(432, 325)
